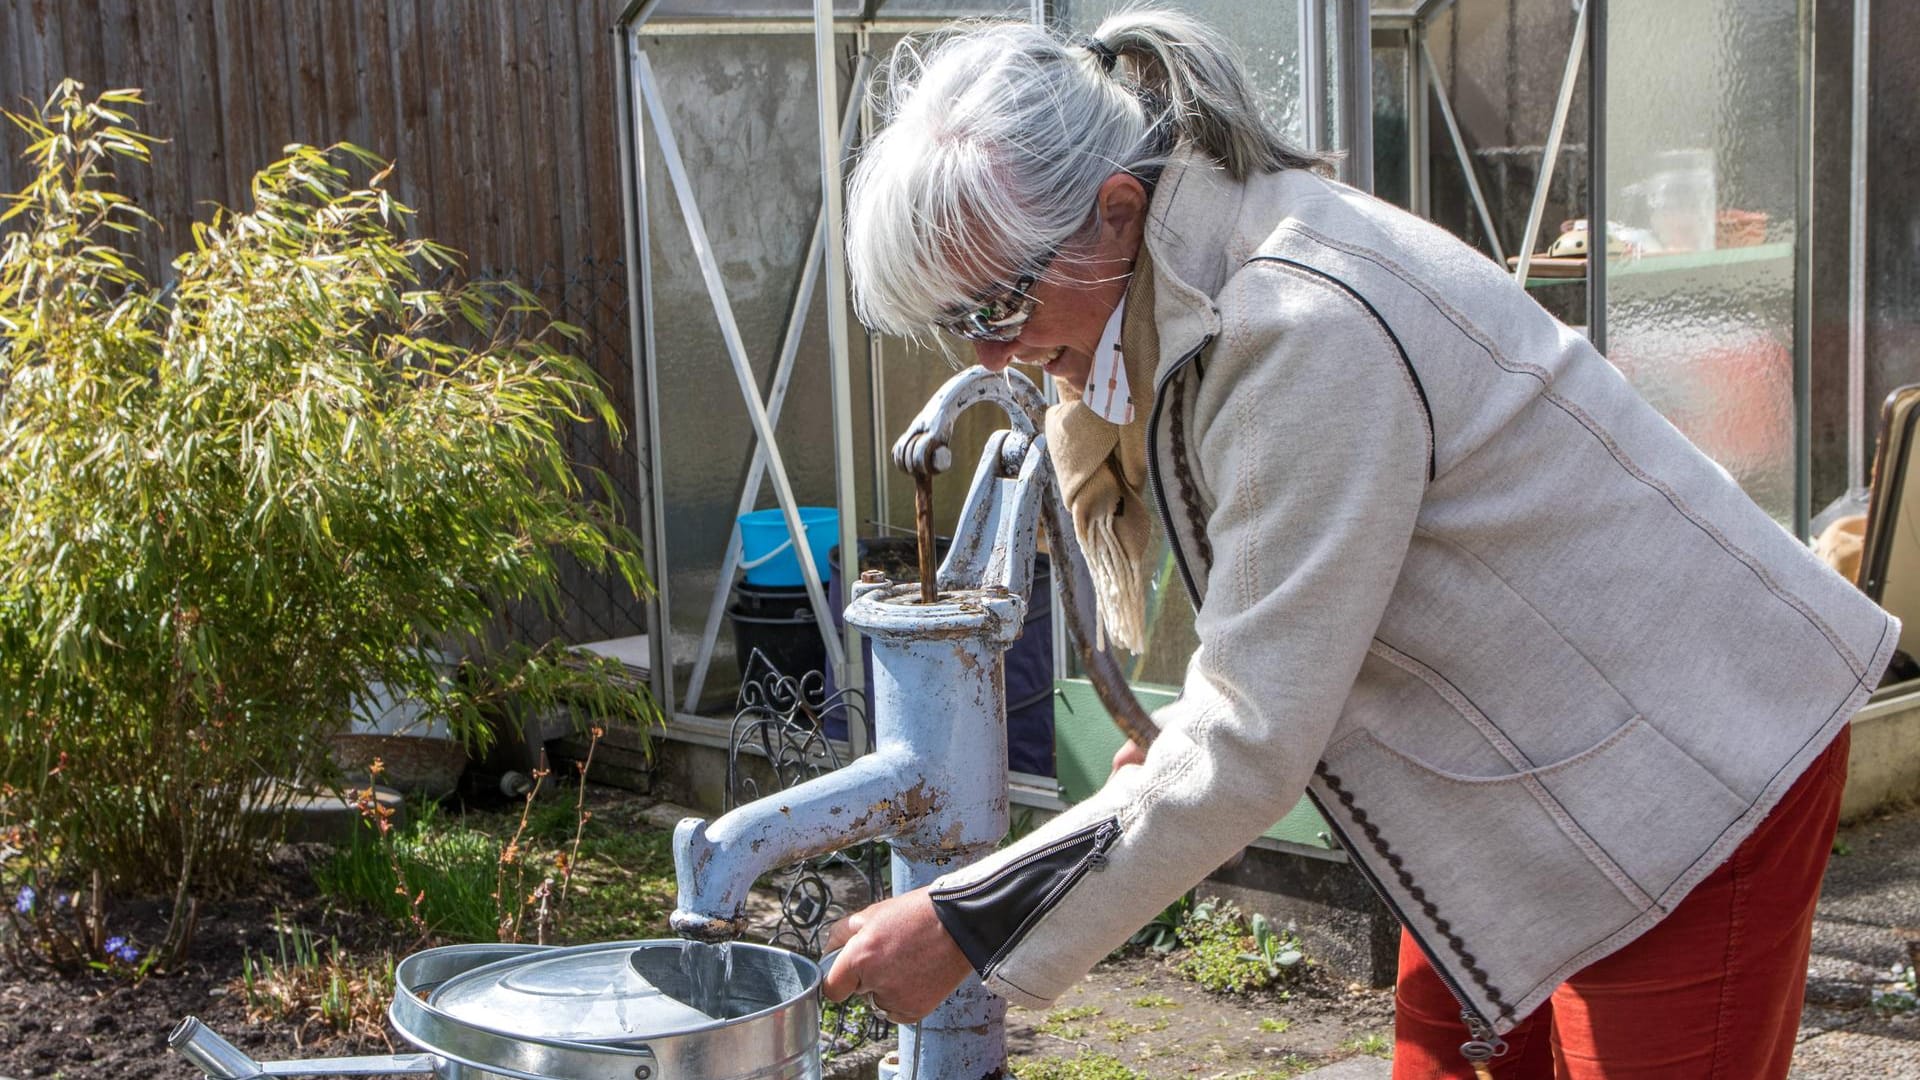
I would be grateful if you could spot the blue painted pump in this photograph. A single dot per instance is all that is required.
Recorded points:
(935, 786)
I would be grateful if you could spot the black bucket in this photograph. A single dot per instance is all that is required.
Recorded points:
(784, 631)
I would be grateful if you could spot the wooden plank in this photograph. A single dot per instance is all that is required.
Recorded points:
(596, 65)
(338, 97)
(409, 145)
(444, 210)
(564, 73)
(239, 120)
(165, 189)
(271, 73)
(373, 77)
(199, 136)
(31, 33)
(306, 92)
(80, 54)
(490, 130)
(540, 201)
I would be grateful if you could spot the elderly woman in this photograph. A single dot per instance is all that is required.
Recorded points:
(1574, 704)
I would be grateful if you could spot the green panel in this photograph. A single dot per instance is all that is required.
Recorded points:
(1085, 740)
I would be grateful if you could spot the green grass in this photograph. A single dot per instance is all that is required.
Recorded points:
(1082, 1066)
(450, 873)
(622, 884)
(1275, 1027)
(1373, 1042)
(1064, 1023)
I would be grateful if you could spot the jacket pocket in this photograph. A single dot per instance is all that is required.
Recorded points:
(1596, 837)
(989, 917)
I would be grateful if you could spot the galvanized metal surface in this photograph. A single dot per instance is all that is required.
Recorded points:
(780, 1042)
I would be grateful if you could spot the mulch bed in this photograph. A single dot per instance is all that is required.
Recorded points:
(97, 1025)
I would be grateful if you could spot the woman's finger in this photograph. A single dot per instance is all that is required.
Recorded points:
(842, 979)
(844, 930)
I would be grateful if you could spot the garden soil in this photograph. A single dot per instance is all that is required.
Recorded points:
(1135, 1008)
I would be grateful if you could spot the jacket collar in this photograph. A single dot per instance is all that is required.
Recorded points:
(1190, 224)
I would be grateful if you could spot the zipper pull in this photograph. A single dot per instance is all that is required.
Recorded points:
(1483, 1047)
(1104, 838)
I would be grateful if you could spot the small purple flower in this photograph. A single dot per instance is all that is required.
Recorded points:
(115, 944)
(23, 901)
(118, 948)
(128, 954)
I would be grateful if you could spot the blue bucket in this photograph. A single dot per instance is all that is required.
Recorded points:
(767, 552)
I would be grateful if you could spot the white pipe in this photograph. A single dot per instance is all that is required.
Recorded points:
(847, 666)
(1552, 154)
(1857, 256)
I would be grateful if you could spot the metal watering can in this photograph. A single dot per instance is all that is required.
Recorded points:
(628, 1010)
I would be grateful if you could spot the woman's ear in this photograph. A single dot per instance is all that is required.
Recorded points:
(1122, 203)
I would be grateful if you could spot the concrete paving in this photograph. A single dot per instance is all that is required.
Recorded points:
(1868, 922)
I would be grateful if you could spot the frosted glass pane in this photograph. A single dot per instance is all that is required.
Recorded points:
(1392, 168)
(1267, 33)
(742, 110)
(1702, 110)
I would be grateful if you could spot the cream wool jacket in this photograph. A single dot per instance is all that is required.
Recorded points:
(1540, 662)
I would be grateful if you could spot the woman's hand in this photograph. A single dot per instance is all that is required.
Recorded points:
(1130, 754)
(898, 955)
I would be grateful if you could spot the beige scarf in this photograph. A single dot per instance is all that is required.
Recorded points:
(1102, 470)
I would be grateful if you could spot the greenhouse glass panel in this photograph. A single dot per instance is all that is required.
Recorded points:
(743, 112)
(1267, 33)
(1702, 107)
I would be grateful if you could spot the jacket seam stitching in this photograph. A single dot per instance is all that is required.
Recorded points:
(1626, 463)
(1599, 856)
(1541, 615)
(1439, 684)
(1693, 874)
(1562, 765)
(1380, 327)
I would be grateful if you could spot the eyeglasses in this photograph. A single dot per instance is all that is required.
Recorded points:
(999, 317)
(1001, 313)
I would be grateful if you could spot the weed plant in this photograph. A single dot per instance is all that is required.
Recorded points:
(318, 988)
(1227, 956)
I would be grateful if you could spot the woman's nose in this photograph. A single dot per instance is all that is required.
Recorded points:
(993, 355)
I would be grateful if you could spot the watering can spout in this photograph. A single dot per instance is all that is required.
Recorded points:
(214, 1055)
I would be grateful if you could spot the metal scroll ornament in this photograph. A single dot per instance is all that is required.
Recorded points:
(781, 720)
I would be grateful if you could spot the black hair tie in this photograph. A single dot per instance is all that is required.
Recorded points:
(1102, 50)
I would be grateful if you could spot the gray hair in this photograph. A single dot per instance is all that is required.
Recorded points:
(997, 137)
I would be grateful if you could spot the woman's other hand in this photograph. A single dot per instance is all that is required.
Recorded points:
(898, 956)
(1130, 754)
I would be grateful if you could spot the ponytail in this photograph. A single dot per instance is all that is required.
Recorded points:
(1194, 71)
(998, 135)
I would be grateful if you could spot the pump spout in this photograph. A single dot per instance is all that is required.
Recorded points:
(718, 861)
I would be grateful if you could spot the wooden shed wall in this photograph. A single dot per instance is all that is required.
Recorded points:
(500, 116)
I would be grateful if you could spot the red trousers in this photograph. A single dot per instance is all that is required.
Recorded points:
(1714, 990)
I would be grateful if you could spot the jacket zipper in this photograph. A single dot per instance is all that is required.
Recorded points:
(1104, 834)
(1485, 1044)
